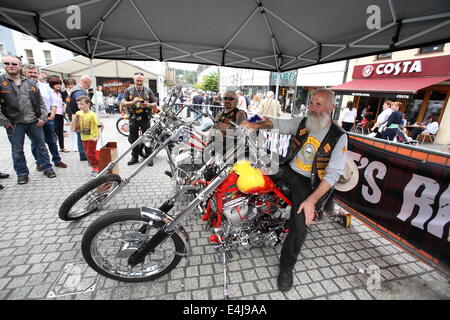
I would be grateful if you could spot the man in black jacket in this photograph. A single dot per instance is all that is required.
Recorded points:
(140, 102)
(314, 163)
(23, 111)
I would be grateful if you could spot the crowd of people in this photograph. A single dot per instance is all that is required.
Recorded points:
(390, 124)
(265, 106)
(36, 105)
(40, 106)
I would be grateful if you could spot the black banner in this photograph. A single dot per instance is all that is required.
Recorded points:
(408, 196)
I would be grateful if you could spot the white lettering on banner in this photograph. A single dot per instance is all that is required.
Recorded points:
(389, 68)
(371, 193)
(379, 69)
(429, 188)
(374, 196)
(436, 225)
(405, 66)
(113, 84)
(399, 67)
(416, 67)
(420, 193)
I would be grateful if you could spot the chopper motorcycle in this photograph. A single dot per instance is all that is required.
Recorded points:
(243, 208)
(96, 193)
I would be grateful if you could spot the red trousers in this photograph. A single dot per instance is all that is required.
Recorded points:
(89, 147)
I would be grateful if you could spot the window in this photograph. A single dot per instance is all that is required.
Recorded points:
(48, 57)
(2, 50)
(29, 54)
(384, 55)
(434, 48)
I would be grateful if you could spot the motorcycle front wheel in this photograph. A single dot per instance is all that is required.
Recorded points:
(89, 197)
(123, 126)
(113, 238)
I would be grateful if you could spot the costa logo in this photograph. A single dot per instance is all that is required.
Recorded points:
(367, 71)
(399, 67)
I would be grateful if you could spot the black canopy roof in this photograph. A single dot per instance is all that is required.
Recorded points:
(276, 35)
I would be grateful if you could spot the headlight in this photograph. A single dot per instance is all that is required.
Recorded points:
(147, 141)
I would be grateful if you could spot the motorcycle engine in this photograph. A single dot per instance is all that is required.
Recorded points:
(251, 222)
(236, 210)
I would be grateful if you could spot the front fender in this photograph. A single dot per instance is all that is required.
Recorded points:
(155, 214)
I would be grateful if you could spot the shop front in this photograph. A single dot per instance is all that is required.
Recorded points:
(287, 82)
(421, 85)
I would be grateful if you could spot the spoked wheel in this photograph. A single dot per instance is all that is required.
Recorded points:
(109, 242)
(123, 126)
(89, 197)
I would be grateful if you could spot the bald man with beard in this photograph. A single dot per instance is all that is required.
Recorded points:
(314, 163)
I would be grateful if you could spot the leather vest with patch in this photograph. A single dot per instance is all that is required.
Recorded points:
(232, 115)
(323, 154)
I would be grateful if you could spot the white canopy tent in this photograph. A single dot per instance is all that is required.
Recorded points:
(79, 66)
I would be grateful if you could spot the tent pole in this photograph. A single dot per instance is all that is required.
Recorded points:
(94, 87)
(278, 86)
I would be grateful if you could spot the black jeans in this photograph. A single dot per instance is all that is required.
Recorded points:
(135, 125)
(59, 129)
(300, 188)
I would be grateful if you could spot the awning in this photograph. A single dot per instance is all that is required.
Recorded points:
(79, 65)
(399, 85)
(274, 35)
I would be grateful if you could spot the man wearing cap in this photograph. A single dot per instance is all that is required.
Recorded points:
(313, 165)
(140, 102)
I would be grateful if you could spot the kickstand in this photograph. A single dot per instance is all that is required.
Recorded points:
(225, 283)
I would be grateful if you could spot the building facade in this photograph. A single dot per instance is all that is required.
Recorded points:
(37, 53)
(418, 78)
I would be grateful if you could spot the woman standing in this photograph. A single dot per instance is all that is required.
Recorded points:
(349, 116)
(55, 83)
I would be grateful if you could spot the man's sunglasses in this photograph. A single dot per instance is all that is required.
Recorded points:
(138, 73)
(10, 64)
(229, 98)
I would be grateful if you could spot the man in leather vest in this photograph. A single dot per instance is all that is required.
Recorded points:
(230, 112)
(314, 163)
(140, 102)
(23, 111)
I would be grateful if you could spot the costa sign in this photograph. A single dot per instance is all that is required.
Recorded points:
(399, 67)
(393, 68)
(436, 66)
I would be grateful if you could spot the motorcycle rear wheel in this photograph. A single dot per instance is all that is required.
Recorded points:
(94, 192)
(113, 238)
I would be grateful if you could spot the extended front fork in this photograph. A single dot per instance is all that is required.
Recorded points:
(169, 228)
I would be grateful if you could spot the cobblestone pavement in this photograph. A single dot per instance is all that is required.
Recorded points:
(40, 255)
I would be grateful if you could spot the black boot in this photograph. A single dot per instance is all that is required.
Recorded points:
(133, 161)
(285, 279)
